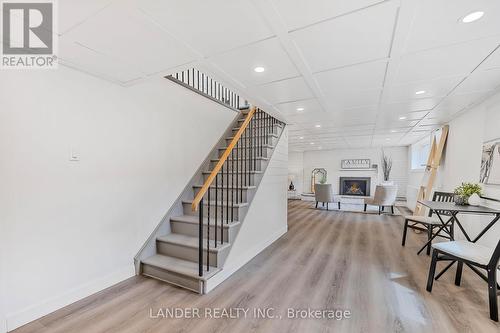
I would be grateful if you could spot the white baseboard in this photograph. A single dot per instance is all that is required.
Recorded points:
(227, 271)
(3, 325)
(43, 308)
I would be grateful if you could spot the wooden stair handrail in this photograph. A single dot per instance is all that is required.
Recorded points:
(222, 160)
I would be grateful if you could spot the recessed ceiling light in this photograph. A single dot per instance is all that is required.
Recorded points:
(312, 143)
(420, 92)
(393, 131)
(259, 69)
(387, 139)
(402, 118)
(317, 125)
(301, 138)
(471, 17)
(300, 109)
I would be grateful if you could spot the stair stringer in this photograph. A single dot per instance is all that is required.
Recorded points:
(266, 218)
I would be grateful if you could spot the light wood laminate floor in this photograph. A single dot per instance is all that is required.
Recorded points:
(327, 260)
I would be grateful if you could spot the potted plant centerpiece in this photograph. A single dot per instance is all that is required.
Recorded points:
(467, 193)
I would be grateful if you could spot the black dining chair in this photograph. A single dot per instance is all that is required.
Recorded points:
(474, 256)
(428, 223)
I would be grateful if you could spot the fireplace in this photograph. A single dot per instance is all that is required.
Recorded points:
(357, 186)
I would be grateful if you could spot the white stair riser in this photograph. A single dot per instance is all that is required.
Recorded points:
(173, 278)
(237, 211)
(190, 253)
(274, 130)
(191, 229)
(259, 164)
(249, 180)
(271, 140)
(256, 151)
(242, 194)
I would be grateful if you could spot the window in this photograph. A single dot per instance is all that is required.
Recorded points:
(420, 153)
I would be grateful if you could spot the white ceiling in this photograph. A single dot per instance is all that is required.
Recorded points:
(353, 65)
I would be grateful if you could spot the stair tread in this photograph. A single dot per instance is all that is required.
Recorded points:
(180, 266)
(239, 159)
(219, 203)
(194, 220)
(191, 241)
(270, 134)
(277, 124)
(257, 146)
(253, 171)
(247, 187)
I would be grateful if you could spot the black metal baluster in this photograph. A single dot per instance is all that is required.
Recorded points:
(216, 204)
(208, 230)
(222, 204)
(244, 161)
(261, 138)
(250, 133)
(255, 148)
(240, 167)
(200, 239)
(232, 184)
(237, 170)
(227, 193)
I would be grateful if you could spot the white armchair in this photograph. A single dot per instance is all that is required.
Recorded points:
(385, 196)
(323, 193)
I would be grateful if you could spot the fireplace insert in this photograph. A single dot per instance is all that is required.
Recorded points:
(357, 186)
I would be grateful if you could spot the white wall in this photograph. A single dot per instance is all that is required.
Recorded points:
(296, 170)
(69, 229)
(462, 159)
(331, 161)
(266, 219)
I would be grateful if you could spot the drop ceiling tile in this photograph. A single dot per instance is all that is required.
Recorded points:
(438, 22)
(299, 13)
(480, 81)
(132, 38)
(457, 102)
(454, 60)
(359, 112)
(80, 57)
(209, 26)
(390, 124)
(431, 121)
(71, 13)
(240, 63)
(493, 61)
(432, 89)
(350, 100)
(309, 118)
(283, 91)
(309, 105)
(352, 78)
(350, 39)
(402, 108)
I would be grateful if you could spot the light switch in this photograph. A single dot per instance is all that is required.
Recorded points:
(74, 155)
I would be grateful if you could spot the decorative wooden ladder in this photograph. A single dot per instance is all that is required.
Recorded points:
(431, 168)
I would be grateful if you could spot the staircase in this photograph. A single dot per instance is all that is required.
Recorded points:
(200, 237)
